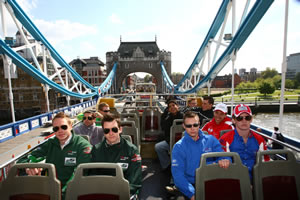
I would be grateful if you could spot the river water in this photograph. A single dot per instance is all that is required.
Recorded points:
(291, 122)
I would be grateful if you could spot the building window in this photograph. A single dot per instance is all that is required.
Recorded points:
(21, 98)
(35, 97)
(126, 65)
(150, 65)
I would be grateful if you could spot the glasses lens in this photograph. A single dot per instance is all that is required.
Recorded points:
(55, 129)
(106, 111)
(84, 118)
(90, 118)
(248, 118)
(64, 127)
(188, 125)
(106, 130)
(195, 125)
(115, 129)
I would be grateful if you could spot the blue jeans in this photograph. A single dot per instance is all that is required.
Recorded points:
(162, 149)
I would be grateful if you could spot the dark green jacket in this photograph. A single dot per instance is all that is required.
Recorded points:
(65, 160)
(126, 155)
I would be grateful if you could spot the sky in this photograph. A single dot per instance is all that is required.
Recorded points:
(93, 27)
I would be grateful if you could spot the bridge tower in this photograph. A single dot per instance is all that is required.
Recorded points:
(138, 57)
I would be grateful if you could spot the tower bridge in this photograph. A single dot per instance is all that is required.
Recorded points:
(138, 57)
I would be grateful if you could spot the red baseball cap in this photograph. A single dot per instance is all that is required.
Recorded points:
(242, 108)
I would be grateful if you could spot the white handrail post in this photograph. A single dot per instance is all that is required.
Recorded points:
(284, 65)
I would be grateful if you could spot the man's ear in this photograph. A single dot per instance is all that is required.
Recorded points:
(121, 128)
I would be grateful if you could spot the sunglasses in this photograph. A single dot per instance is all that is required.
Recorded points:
(247, 118)
(89, 118)
(191, 125)
(107, 130)
(105, 111)
(56, 128)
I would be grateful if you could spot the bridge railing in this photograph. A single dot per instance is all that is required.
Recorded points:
(12, 130)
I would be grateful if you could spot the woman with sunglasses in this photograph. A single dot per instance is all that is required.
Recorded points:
(66, 151)
(115, 149)
(242, 140)
(187, 152)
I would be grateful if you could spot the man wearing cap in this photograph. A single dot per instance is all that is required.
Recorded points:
(219, 122)
(242, 140)
(88, 127)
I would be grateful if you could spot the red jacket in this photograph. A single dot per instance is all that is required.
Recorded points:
(214, 129)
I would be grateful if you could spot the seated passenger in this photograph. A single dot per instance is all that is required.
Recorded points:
(191, 106)
(206, 110)
(187, 152)
(162, 148)
(115, 149)
(88, 127)
(219, 122)
(103, 109)
(66, 151)
(242, 140)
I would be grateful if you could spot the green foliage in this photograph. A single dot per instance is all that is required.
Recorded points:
(289, 84)
(269, 73)
(148, 78)
(266, 88)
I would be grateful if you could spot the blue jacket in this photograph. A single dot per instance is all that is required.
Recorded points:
(186, 156)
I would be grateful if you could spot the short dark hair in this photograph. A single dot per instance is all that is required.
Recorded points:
(210, 99)
(172, 101)
(276, 128)
(62, 115)
(190, 114)
(111, 117)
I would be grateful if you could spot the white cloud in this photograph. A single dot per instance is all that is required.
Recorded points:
(62, 30)
(115, 19)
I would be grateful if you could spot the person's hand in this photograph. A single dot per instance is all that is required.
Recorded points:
(98, 115)
(34, 171)
(193, 197)
(224, 163)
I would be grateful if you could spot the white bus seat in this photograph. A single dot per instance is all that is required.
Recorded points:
(86, 137)
(276, 179)
(151, 124)
(131, 110)
(25, 187)
(129, 128)
(213, 182)
(108, 187)
(127, 137)
(131, 117)
(204, 121)
(176, 132)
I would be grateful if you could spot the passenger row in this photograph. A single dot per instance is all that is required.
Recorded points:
(272, 180)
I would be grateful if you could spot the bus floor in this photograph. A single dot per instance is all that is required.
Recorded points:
(154, 182)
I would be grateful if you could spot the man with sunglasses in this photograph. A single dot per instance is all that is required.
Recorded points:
(219, 122)
(115, 149)
(88, 127)
(187, 152)
(66, 151)
(242, 140)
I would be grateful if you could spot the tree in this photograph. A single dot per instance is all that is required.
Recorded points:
(289, 84)
(266, 88)
(148, 78)
(269, 73)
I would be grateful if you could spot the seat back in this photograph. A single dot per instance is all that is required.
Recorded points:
(129, 128)
(213, 182)
(86, 137)
(151, 124)
(131, 117)
(276, 179)
(204, 121)
(109, 187)
(127, 137)
(175, 132)
(24, 187)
